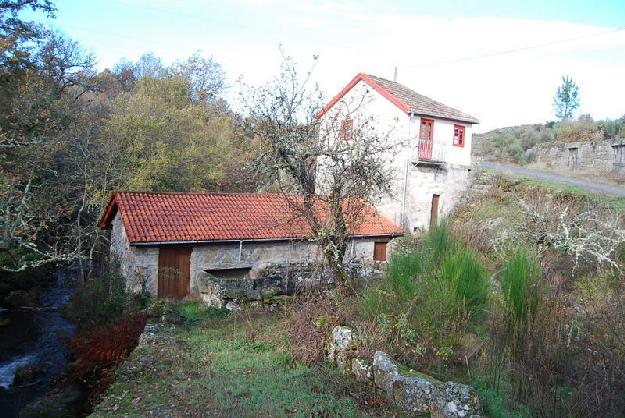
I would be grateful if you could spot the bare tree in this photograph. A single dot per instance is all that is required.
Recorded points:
(327, 168)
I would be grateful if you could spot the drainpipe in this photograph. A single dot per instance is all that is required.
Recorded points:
(240, 250)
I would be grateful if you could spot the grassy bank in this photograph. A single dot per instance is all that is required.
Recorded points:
(235, 365)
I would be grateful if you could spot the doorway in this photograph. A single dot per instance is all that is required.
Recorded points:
(434, 211)
(174, 272)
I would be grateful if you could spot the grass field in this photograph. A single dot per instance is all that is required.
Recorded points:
(230, 366)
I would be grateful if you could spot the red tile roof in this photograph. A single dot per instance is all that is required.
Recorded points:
(167, 217)
(408, 100)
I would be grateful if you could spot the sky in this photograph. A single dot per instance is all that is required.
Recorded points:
(500, 61)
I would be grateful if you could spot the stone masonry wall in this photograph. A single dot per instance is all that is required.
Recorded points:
(421, 184)
(245, 268)
(139, 265)
(599, 157)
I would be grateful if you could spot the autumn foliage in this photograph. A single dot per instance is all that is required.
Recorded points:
(97, 354)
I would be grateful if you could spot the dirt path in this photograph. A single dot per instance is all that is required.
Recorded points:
(543, 175)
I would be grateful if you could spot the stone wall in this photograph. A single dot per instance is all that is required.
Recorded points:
(139, 265)
(411, 201)
(598, 157)
(245, 269)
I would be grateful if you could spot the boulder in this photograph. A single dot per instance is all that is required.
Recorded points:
(361, 369)
(231, 306)
(419, 394)
(455, 400)
(340, 346)
(411, 393)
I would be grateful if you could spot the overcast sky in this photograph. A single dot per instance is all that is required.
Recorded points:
(448, 50)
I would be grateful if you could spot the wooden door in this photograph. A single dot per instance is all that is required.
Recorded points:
(426, 139)
(434, 211)
(174, 272)
(379, 251)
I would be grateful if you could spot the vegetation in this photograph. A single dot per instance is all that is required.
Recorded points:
(298, 148)
(566, 99)
(230, 365)
(70, 135)
(432, 295)
(517, 144)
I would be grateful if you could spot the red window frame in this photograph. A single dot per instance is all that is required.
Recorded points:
(346, 132)
(459, 135)
(430, 123)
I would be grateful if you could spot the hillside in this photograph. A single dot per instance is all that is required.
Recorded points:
(516, 143)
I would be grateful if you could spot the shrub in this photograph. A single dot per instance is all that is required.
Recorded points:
(193, 312)
(519, 284)
(98, 353)
(102, 301)
(428, 299)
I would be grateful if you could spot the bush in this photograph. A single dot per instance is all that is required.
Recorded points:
(101, 302)
(430, 297)
(193, 312)
(98, 353)
(519, 284)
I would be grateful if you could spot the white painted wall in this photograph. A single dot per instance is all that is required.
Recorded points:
(412, 187)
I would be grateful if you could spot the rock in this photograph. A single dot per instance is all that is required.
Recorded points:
(419, 394)
(65, 403)
(384, 372)
(26, 374)
(231, 306)
(362, 370)
(21, 298)
(340, 346)
(455, 400)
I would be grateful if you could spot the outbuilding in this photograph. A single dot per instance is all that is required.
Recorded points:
(224, 246)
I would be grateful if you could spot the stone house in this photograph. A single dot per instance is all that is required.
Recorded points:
(433, 166)
(592, 157)
(217, 247)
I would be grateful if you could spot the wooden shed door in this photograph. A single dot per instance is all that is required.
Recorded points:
(174, 272)
(434, 211)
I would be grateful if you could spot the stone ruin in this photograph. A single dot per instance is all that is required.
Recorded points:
(415, 393)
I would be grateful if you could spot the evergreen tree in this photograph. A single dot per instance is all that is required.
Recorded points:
(566, 99)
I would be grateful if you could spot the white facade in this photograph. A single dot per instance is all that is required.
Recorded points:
(415, 180)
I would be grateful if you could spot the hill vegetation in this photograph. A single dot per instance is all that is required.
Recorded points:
(516, 144)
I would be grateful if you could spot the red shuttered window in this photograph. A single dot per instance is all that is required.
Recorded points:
(458, 135)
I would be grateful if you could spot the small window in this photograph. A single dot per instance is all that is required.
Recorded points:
(379, 251)
(458, 135)
(347, 129)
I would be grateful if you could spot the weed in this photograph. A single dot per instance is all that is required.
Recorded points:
(193, 312)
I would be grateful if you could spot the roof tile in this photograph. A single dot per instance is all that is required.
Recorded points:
(164, 217)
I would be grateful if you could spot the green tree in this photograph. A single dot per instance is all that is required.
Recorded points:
(566, 100)
(160, 139)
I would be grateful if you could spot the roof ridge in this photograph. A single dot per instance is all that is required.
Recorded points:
(205, 193)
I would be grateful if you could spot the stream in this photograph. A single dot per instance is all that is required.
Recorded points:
(36, 338)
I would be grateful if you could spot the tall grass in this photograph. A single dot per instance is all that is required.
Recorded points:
(520, 286)
(431, 296)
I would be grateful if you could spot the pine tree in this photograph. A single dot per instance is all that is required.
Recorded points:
(566, 99)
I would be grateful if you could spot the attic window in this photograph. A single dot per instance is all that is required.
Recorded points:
(458, 135)
(347, 129)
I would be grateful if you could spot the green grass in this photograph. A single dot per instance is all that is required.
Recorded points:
(434, 293)
(225, 366)
(616, 203)
(193, 312)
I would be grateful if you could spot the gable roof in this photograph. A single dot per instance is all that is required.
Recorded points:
(205, 217)
(407, 100)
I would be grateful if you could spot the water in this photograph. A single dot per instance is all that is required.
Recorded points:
(38, 338)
